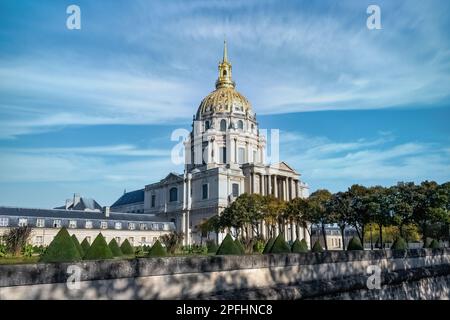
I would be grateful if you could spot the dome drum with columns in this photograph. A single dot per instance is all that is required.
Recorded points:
(225, 157)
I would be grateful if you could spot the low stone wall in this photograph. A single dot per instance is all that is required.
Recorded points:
(331, 275)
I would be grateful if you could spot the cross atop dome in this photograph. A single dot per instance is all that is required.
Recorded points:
(225, 80)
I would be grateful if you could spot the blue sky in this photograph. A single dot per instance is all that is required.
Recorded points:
(92, 110)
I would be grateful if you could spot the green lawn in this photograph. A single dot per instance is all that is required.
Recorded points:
(18, 260)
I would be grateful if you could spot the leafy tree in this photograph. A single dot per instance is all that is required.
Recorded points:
(403, 198)
(434, 244)
(16, 238)
(318, 210)
(297, 212)
(172, 241)
(273, 209)
(430, 206)
(338, 208)
(99, 249)
(61, 249)
(361, 211)
(114, 246)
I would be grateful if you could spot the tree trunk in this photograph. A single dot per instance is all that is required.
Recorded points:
(324, 236)
(380, 238)
(343, 237)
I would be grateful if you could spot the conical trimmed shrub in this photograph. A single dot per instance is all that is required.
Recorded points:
(61, 249)
(78, 245)
(280, 245)
(85, 245)
(126, 248)
(115, 248)
(157, 250)
(299, 246)
(399, 244)
(211, 246)
(269, 245)
(240, 246)
(99, 249)
(228, 246)
(434, 244)
(354, 244)
(317, 247)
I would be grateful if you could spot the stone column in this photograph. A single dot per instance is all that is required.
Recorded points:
(296, 188)
(263, 227)
(183, 227)
(293, 233)
(275, 185)
(269, 184)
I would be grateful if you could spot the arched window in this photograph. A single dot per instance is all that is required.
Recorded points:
(240, 124)
(173, 194)
(224, 73)
(207, 125)
(223, 125)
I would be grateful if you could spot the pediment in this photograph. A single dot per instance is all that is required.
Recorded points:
(283, 166)
(172, 177)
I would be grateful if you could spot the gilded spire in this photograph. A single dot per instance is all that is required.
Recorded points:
(225, 51)
(224, 79)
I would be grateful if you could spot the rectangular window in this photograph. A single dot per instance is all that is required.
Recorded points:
(88, 224)
(205, 191)
(118, 240)
(4, 222)
(39, 240)
(23, 222)
(143, 240)
(241, 155)
(143, 226)
(131, 240)
(72, 224)
(153, 200)
(118, 225)
(131, 226)
(56, 223)
(40, 223)
(104, 225)
(235, 188)
(223, 155)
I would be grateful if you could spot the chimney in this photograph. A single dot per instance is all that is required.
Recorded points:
(106, 211)
(68, 203)
(76, 199)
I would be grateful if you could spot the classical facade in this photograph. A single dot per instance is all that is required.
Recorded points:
(224, 157)
(139, 229)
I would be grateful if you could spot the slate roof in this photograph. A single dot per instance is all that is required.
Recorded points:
(83, 204)
(129, 198)
(76, 214)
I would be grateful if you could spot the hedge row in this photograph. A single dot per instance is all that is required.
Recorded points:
(66, 248)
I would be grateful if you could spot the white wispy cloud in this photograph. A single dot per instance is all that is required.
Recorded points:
(323, 162)
(289, 57)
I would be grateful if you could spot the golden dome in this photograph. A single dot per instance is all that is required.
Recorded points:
(225, 98)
